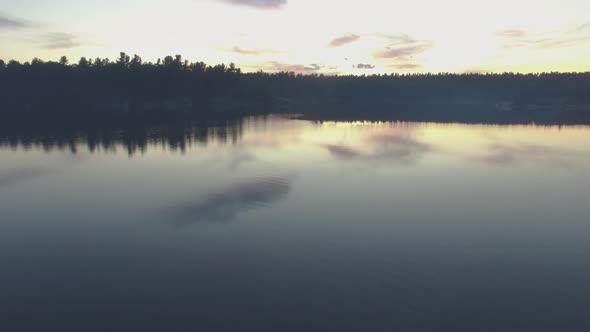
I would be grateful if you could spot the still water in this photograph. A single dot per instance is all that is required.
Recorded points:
(277, 224)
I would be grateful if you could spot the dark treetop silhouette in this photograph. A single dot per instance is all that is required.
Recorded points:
(175, 85)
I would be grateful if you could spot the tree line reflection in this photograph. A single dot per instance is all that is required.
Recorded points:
(138, 135)
(133, 135)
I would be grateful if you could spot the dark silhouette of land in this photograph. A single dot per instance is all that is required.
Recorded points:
(129, 85)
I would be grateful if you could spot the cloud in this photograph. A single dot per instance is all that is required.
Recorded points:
(557, 43)
(396, 39)
(511, 33)
(364, 66)
(343, 40)
(12, 23)
(402, 47)
(49, 40)
(58, 40)
(259, 4)
(403, 66)
(543, 40)
(404, 52)
(546, 43)
(224, 205)
(296, 68)
(253, 51)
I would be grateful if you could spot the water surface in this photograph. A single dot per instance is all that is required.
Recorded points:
(276, 224)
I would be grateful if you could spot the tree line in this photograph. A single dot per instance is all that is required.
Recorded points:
(40, 85)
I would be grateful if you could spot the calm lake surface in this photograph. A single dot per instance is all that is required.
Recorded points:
(276, 224)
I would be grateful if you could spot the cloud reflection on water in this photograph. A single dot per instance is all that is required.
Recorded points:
(397, 147)
(499, 153)
(225, 204)
(16, 176)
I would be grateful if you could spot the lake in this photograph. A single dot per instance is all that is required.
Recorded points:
(279, 224)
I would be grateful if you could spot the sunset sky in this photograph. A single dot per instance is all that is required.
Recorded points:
(324, 36)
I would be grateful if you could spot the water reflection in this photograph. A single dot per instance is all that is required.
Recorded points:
(134, 135)
(393, 147)
(12, 177)
(469, 215)
(241, 139)
(507, 154)
(225, 204)
(239, 158)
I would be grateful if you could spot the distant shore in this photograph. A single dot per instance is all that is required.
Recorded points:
(174, 87)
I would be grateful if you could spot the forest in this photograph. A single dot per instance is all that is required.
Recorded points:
(173, 84)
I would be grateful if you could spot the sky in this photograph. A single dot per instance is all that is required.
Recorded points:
(309, 36)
